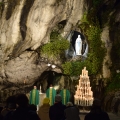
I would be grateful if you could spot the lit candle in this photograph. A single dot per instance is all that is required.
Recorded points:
(86, 73)
(80, 76)
(84, 102)
(89, 88)
(79, 82)
(88, 84)
(91, 101)
(91, 93)
(40, 89)
(88, 102)
(24, 81)
(75, 99)
(82, 72)
(81, 89)
(87, 91)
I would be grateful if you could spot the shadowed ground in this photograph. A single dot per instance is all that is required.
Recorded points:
(111, 115)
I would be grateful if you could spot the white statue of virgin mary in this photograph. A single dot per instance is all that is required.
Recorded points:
(78, 45)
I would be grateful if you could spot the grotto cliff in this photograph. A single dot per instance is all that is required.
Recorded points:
(26, 26)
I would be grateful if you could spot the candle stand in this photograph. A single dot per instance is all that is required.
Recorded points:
(83, 96)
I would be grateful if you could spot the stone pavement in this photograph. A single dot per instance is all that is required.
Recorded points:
(82, 114)
(111, 115)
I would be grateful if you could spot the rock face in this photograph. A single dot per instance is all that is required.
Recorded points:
(112, 102)
(105, 37)
(26, 25)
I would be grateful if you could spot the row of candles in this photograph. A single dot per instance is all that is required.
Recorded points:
(84, 91)
(84, 84)
(82, 98)
(84, 72)
(84, 101)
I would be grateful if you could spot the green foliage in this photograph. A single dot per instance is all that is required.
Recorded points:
(55, 36)
(84, 18)
(1, 3)
(114, 84)
(56, 47)
(73, 68)
(96, 2)
(84, 22)
(97, 50)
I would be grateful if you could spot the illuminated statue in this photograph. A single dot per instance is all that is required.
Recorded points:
(78, 45)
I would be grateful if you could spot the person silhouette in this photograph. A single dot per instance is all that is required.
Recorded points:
(34, 96)
(96, 112)
(65, 94)
(23, 111)
(56, 111)
(51, 93)
(71, 112)
(43, 111)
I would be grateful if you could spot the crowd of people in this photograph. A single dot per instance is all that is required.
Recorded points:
(18, 108)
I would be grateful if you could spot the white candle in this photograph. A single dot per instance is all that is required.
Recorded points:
(85, 102)
(80, 76)
(91, 101)
(24, 81)
(86, 73)
(88, 103)
(91, 93)
(88, 84)
(89, 88)
(79, 82)
(82, 72)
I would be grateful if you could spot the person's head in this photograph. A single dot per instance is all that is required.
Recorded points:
(64, 87)
(35, 87)
(46, 100)
(96, 103)
(32, 107)
(69, 104)
(22, 100)
(58, 98)
(10, 102)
